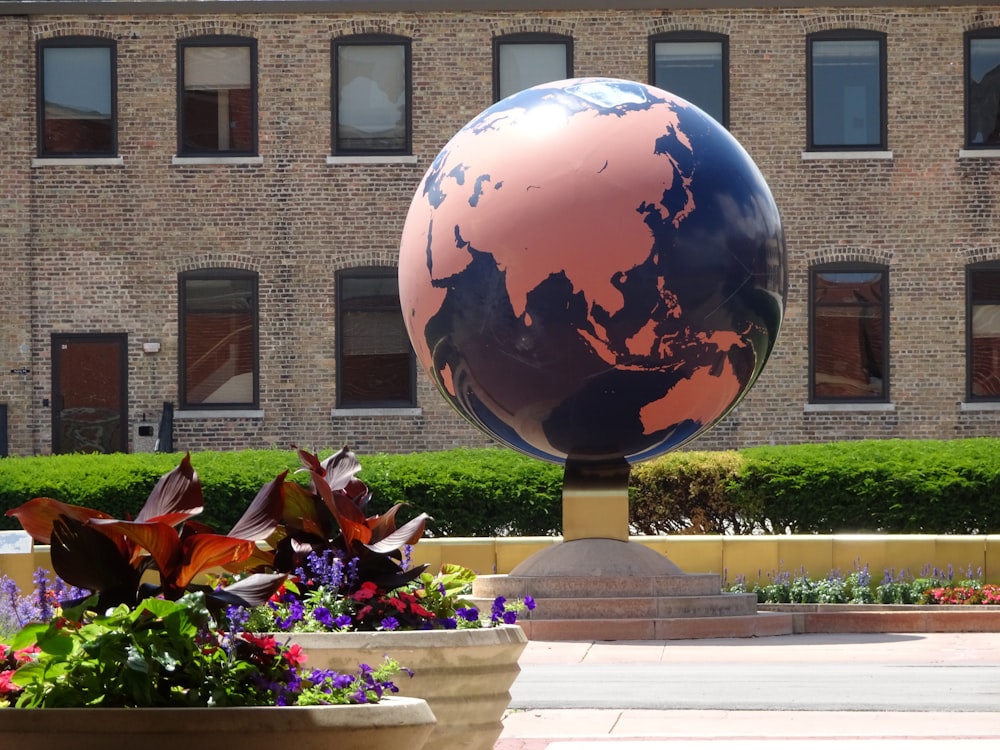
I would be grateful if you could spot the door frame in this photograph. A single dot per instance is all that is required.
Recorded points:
(55, 392)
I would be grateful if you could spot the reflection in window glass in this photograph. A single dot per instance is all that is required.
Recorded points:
(523, 65)
(78, 100)
(983, 95)
(218, 334)
(693, 70)
(849, 356)
(984, 339)
(846, 93)
(375, 362)
(217, 102)
(371, 97)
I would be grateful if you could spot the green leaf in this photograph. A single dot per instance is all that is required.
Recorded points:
(28, 635)
(136, 662)
(55, 642)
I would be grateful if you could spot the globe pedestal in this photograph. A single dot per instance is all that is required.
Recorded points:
(595, 500)
(598, 585)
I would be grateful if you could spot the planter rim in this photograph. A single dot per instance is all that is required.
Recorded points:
(394, 709)
(502, 634)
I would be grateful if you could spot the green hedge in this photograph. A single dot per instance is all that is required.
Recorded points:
(885, 486)
(485, 492)
(891, 486)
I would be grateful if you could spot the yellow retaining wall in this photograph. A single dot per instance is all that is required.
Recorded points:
(754, 557)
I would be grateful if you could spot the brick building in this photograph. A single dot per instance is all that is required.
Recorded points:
(201, 204)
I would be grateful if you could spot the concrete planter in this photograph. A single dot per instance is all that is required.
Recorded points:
(389, 725)
(889, 618)
(465, 675)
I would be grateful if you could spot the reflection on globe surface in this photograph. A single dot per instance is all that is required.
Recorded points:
(593, 269)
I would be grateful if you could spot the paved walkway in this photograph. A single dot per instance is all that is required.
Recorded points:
(937, 662)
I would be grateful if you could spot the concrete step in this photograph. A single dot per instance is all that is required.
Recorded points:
(542, 587)
(651, 607)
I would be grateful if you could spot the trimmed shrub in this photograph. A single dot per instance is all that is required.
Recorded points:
(686, 493)
(470, 492)
(878, 486)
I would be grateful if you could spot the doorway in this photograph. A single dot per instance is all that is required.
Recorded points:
(89, 393)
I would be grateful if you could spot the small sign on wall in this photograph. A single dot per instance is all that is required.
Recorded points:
(15, 542)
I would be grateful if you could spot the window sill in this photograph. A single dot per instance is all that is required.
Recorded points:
(219, 414)
(844, 155)
(186, 161)
(980, 406)
(398, 159)
(78, 161)
(383, 411)
(979, 153)
(855, 406)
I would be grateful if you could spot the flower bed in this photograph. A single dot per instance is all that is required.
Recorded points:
(933, 586)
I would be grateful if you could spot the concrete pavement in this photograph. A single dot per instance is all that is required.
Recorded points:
(908, 690)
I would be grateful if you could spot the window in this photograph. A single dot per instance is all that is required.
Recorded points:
(375, 363)
(521, 61)
(982, 89)
(982, 330)
(218, 339)
(848, 337)
(371, 95)
(695, 67)
(846, 90)
(77, 110)
(217, 98)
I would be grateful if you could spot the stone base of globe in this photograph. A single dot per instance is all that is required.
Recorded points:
(595, 558)
(605, 589)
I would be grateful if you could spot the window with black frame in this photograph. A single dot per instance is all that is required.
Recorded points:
(983, 331)
(217, 96)
(77, 107)
(371, 95)
(982, 89)
(521, 61)
(848, 333)
(375, 362)
(694, 66)
(846, 84)
(218, 339)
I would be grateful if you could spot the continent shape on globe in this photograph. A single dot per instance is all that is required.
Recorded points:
(593, 269)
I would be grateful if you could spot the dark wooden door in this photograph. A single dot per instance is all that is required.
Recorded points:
(89, 387)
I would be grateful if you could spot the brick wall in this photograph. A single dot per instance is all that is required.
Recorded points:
(98, 248)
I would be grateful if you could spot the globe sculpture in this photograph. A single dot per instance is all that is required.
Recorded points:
(592, 271)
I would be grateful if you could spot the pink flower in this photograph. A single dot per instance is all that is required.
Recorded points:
(294, 654)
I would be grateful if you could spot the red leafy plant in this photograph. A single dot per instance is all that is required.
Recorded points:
(109, 557)
(349, 570)
(330, 517)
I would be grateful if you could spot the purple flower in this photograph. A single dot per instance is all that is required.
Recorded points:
(296, 613)
(42, 591)
(449, 623)
(469, 614)
(238, 617)
(342, 681)
(342, 621)
(510, 617)
(324, 617)
(529, 602)
(499, 607)
(389, 623)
